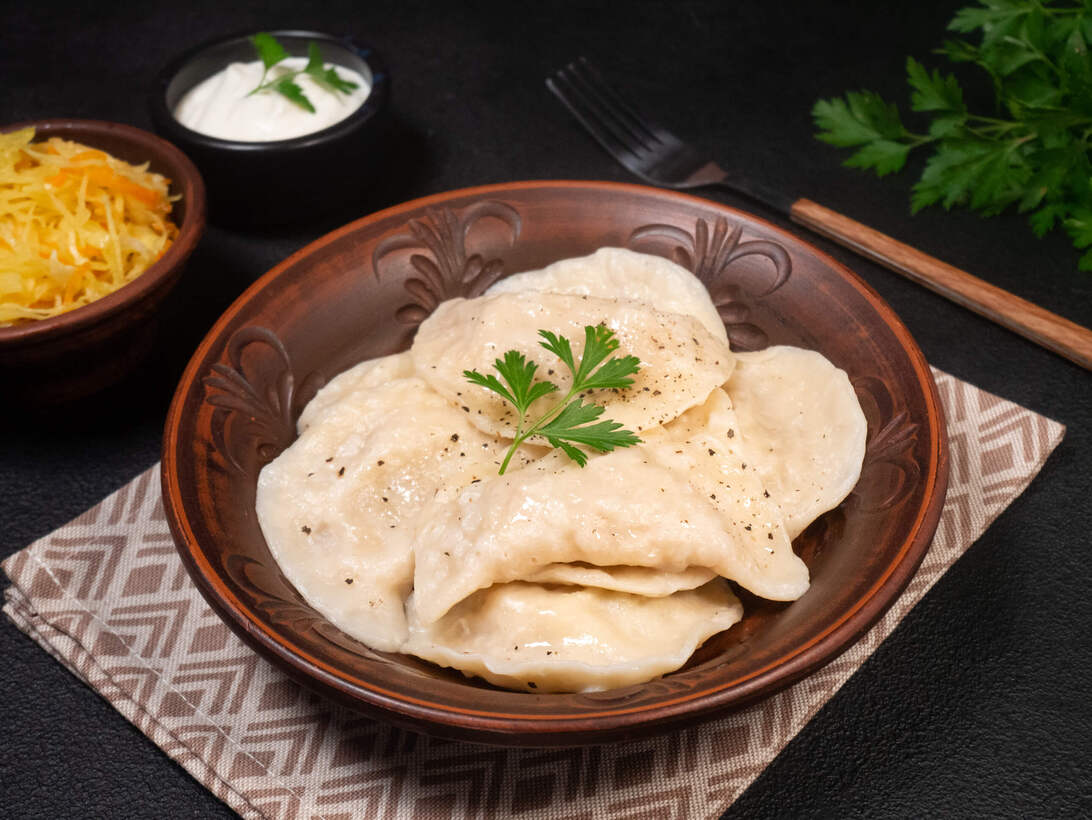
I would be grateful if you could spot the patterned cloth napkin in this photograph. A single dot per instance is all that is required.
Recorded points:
(107, 596)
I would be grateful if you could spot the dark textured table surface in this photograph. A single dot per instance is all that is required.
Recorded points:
(978, 705)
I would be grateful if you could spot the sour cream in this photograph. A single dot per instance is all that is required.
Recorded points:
(222, 106)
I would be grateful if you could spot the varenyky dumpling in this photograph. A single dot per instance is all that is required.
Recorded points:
(800, 415)
(681, 362)
(686, 498)
(725, 472)
(336, 507)
(619, 273)
(566, 639)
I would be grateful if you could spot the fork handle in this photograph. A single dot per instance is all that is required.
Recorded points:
(1020, 316)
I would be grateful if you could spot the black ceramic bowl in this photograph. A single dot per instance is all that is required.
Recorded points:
(268, 183)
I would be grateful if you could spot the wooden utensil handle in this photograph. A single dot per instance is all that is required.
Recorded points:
(1030, 321)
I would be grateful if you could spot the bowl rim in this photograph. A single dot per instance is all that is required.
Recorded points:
(372, 105)
(614, 722)
(192, 189)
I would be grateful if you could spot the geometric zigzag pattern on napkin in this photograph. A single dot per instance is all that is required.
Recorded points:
(108, 597)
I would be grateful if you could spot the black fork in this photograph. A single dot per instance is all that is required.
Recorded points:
(650, 151)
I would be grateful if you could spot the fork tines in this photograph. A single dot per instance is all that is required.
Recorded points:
(607, 115)
(648, 150)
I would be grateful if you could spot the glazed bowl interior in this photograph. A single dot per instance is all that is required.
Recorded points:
(359, 293)
(81, 351)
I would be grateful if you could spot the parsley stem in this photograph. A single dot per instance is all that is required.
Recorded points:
(508, 455)
(522, 437)
(516, 442)
(263, 86)
(543, 420)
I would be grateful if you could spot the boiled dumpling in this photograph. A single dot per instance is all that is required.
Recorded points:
(681, 362)
(721, 469)
(335, 506)
(572, 639)
(800, 415)
(618, 273)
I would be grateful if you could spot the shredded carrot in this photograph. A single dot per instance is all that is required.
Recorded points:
(89, 154)
(75, 225)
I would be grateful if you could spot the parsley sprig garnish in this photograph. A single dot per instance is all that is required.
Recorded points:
(271, 52)
(1031, 152)
(569, 421)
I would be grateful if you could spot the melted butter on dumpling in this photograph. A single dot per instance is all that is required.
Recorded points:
(619, 273)
(681, 362)
(335, 507)
(572, 639)
(800, 415)
(687, 498)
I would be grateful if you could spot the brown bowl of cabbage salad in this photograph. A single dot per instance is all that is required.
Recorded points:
(96, 222)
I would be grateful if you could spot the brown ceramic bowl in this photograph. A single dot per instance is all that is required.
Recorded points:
(361, 291)
(77, 353)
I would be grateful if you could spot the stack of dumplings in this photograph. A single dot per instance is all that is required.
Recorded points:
(389, 516)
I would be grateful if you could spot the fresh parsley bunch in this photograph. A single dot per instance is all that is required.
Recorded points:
(568, 422)
(270, 52)
(1031, 152)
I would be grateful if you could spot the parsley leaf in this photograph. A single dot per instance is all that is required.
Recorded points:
(271, 52)
(325, 76)
(519, 375)
(269, 49)
(932, 92)
(1033, 151)
(572, 425)
(599, 342)
(569, 422)
(287, 87)
(862, 117)
(560, 347)
(314, 59)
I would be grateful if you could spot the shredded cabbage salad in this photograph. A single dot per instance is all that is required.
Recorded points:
(75, 225)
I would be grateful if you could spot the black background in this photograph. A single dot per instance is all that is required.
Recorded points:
(979, 704)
